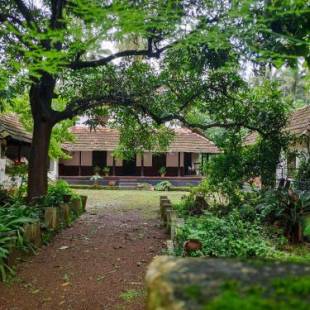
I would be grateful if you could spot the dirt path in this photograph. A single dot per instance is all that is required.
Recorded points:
(98, 263)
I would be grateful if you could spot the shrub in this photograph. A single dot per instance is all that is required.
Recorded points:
(229, 236)
(285, 209)
(57, 194)
(12, 219)
(162, 170)
(4, 196)
(163, 186)
(303, 172)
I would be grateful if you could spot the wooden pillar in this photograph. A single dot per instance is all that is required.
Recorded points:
(142, 165)
(80, 164)
(19, 151)
(179, 164)
(113, 167)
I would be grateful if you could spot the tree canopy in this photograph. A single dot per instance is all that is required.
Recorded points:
(185, 67)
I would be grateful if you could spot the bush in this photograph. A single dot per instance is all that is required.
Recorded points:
(57, 194)
(229, 236)
(303, 172)
(285, 209)
(12, 220)
(4, 196)
(163, 186)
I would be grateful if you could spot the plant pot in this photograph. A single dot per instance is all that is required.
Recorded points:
(163, 175)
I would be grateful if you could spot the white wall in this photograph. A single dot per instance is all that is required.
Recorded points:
(53, 169)
(87, 158)
(148, 160)
(118, 162)
(73, 161)
(2, 170)
(172, 159)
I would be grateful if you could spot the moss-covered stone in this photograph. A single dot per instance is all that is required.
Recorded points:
(208, 284)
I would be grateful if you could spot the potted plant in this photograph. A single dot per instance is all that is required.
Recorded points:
(106, 171)
(96, 178)
(162, 171)
(97, 170)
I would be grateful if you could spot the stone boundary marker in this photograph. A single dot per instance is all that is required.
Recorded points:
(55, 218)
(170, 220)
(195, 283)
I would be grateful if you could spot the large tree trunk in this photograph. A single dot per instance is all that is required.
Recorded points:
(38, 161)
(40, 95)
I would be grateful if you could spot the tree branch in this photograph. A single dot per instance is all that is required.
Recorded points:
(57, 10)
(105, 60)
(79, 106)
(26, 13)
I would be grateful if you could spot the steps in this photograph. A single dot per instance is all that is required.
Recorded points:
(127, 183)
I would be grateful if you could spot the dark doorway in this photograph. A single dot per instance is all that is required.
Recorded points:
(99, 159)
(159, 160)
(129, 166)
(188, 163)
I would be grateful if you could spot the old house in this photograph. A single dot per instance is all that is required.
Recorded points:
(299, 127)
(93, 149)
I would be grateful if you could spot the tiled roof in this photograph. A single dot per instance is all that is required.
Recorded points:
(298, 124)
(107, 139)
(10, 125)
(251, 138)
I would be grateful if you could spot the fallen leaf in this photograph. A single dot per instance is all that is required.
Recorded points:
(64, 247)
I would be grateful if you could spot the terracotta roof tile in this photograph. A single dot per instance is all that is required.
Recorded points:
(107, 139)
(251, 138)
(298, 124)
(10, 125)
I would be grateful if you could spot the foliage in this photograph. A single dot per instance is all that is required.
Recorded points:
(18, 172)
(275, 31)
(286, 209)
(106, 170)
(60, 134)
(4, 196)
(239, 163)
(130, 295)
(303, 172)
(12, 219)
(281, 293)
(229, 236)
(54, 52)
(57, 194)
(163, 186)
(162, 170)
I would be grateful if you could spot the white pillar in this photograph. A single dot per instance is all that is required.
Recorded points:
(53, 169)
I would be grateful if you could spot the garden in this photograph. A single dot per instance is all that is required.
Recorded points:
(26, 226)
(233, 72)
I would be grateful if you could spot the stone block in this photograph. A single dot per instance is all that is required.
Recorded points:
(210, 283)
(51, 218)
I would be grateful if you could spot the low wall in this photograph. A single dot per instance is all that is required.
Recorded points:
(183, 181)
(209, 283)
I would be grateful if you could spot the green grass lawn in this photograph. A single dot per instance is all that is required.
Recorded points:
(145, 202)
